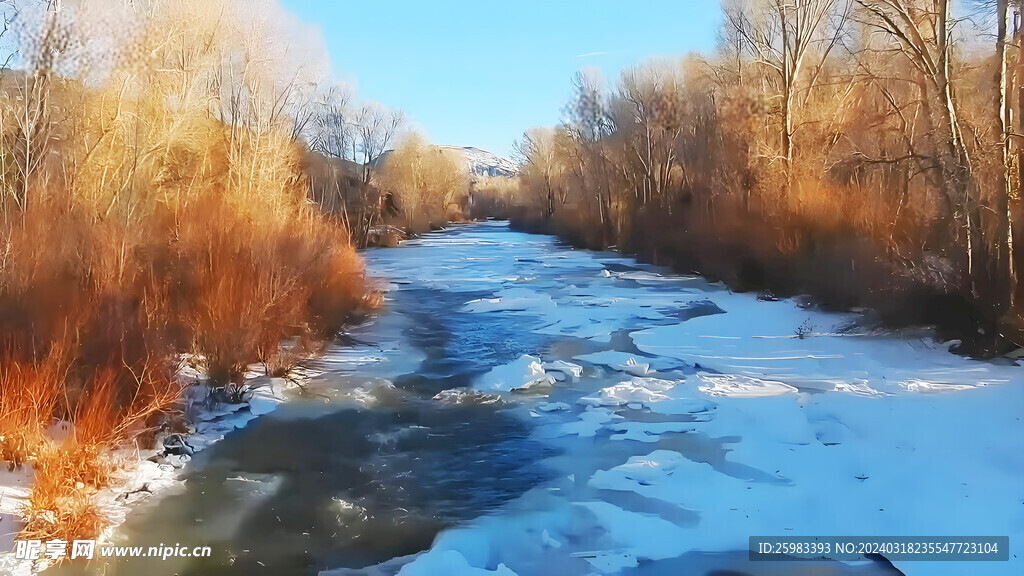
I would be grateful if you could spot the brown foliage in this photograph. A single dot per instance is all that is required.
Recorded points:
(169, 217)
(427, 180)
(849, 163)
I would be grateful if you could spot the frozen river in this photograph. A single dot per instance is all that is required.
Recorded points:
(520, 407)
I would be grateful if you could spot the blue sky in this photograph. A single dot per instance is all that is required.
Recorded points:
(479, 73)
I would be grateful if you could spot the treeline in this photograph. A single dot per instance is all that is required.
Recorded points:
(430, 185)
(153, 210)
(370, 173)
(864, 152)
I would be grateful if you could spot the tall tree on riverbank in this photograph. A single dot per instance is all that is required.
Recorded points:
(922, 32)
(781, 36)
(376, 127)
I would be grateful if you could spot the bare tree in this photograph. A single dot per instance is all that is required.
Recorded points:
(33, 119)
(780, 35)
(376, 127)
(652, 128)
(588, 124)
(539, 157)
(332, 127)
(1005, 275)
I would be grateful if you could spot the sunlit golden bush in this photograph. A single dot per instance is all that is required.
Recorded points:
(153, 204)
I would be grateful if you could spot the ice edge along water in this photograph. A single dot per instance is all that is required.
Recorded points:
(147, 474)
(824, 429)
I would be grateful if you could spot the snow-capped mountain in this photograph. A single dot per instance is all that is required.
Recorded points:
(484, 163)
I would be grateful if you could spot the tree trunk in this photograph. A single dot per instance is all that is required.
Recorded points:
(1003, 276)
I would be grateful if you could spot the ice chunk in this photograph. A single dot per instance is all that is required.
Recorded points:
(567, 368)
(653, 468)
(858, 388)
(739, 386)
(591, 420)
(617, 360)
(524, 372)
(916, 385)
(371, 393)
(513, 300)
(546, 538)
(449, 563)
(645, 536)
(646, 431)
(465, 397)
(644, 391)
(633, 367)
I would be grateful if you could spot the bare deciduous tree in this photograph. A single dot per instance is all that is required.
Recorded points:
(376, 127)
(781, 35)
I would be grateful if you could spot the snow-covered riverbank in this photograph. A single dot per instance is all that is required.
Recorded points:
(706, 417)
(544, 410)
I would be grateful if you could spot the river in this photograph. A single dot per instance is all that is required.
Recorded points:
(521, 407)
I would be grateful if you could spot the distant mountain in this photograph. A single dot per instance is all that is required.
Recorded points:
(484, 163)
(480, 162)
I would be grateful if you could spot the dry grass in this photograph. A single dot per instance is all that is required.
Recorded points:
(29, 397)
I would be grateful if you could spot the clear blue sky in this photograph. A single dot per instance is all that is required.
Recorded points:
(479, 73)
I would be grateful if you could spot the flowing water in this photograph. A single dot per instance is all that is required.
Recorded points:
(408, 434)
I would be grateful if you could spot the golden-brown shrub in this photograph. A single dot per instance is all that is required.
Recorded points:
(169, 218)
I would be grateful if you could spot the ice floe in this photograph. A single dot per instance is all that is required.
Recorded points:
(590, 421)
(741, 386)
(524, 373)
(791, 423)
(645, 391)
(625, 362)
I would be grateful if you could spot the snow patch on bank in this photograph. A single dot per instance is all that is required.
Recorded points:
(780, 342)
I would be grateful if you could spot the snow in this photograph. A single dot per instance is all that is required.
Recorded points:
(759, 340)
(449, 562)
(483, 163)
(750, 418)
(522, 373)
(14, 491)
(739, 386)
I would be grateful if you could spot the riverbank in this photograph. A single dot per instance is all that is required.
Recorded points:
(840, 272)
(697, 417)
(533, 408)
(702, 417)
(147, 473)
